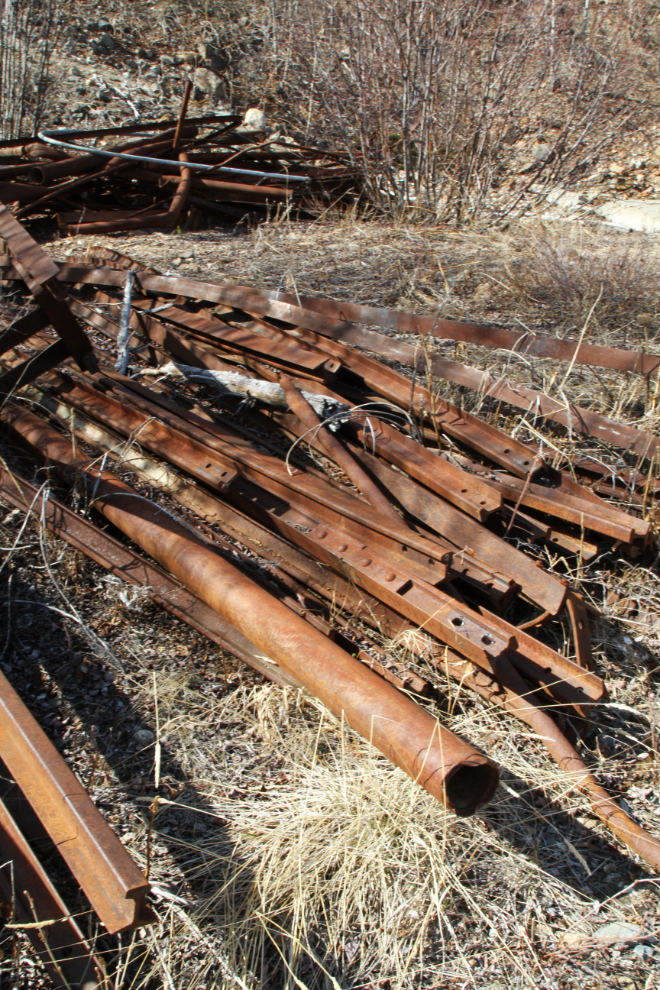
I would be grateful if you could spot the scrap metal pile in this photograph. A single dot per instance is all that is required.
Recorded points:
(169, 174)
(180, 415)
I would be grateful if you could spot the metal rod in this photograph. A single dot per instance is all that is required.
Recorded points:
(48, 137)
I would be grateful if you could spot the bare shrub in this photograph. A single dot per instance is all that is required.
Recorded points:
(27, 37)
(432, 95)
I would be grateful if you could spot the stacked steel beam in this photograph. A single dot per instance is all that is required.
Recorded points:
(167, 174)
(416, 521)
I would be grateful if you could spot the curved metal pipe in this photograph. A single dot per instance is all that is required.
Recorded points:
(47, 136)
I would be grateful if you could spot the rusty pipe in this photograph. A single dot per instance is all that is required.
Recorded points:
(336, 451)
(81, 164)
(451, 770)
(165, 219)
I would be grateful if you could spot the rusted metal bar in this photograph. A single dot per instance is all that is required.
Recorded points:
(34, 366)
(579, 619)
(22, 329)
(340, 455)
(527, 344)
(28, 897)
(38, 272)
(507, 689)
(448, 768)
(182, 114)
(114, 886)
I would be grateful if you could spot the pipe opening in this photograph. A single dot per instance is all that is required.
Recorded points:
(471, 786)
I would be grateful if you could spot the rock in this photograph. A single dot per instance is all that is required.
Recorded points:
(642, 952)
(208, 83)
(107, 41)
(166, 60)
(646, 319)
(254, 120)
(618, 931)
(144, 737)
(132, 64)
(542, 151)
(632, 214)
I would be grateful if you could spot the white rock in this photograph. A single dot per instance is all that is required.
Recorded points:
(632, 214)
(618, 931)
(254, 120)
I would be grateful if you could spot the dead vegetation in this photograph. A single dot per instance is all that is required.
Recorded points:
(284, 851)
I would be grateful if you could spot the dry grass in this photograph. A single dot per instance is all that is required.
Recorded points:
(285, 852)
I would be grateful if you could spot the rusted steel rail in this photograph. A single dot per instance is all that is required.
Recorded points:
(526, 344)
(506, 688)
(454, 772)
(28, 898)
(113, 884)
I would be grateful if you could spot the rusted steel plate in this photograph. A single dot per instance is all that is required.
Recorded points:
(581, 630)
(113, 884)
(560, 677)
(135, 570)
(601, 518)
(427, 606)
(527, 344)
(27, 897)
(447, 767)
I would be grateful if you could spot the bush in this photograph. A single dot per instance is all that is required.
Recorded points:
(431, 96)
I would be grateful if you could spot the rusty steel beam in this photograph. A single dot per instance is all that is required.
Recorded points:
(334, 449)
(29, 901)
(112, 883)
(454, 772)
(527, 344)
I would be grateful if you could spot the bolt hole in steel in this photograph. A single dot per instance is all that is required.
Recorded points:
(457, 621)
(487, 640)
(390, 576)
(343, 547)
(323, 534)
(470, 787)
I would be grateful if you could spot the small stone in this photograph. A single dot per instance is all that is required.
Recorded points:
(542, 151)
(208, 84)
(618, 931)
(144, 737)
(254, 120)
(107, 41)
(646, 319)
(642, 951)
